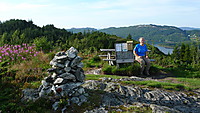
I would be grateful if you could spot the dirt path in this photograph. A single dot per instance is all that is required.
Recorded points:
(160, 76)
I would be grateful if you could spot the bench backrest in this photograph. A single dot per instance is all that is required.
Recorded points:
(123, 53)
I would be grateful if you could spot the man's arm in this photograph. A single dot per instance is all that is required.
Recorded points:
(146, 55)
(134, 52)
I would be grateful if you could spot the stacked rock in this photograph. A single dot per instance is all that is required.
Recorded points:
(65, 77)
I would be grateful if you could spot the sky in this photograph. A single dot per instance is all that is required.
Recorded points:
(101, 14)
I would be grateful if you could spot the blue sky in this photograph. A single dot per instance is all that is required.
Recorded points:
(103, 13)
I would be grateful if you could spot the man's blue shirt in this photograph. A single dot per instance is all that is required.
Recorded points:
(140, 50)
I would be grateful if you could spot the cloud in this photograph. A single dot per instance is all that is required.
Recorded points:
(21, 6)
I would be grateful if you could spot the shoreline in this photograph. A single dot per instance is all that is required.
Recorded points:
(164, 49)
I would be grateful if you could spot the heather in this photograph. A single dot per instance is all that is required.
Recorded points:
(17, 53)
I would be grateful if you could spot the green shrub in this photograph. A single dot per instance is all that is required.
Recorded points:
(87, 65)
(154, 70)
(43, 44)
(3, 68)
(6, 74)
(107, 69)
(95, 59)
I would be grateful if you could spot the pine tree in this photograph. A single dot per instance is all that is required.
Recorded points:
(182, 52)
(193, 55)
(129, 36)
(176, 53)
(187, 54)
(15, 37)
(3, 39)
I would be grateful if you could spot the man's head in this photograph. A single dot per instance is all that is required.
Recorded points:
(141, 40)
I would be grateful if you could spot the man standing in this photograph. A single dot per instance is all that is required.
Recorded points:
(140, 52)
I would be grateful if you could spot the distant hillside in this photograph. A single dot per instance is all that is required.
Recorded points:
(152, 33)
(76, 30)
(189, 28)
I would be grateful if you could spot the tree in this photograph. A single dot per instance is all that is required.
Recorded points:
(42, 44)
(194, 55)
(15, 37)
(176, 53)
(22, 38)
(182, 52)
(187, 54)
(3, 39)
(129, 36)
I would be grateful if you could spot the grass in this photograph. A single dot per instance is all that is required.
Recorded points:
(33, 84)
(182, 83)
(97, 77)
(156, 84)
(184, 72)
(129, 109)
(194, 83)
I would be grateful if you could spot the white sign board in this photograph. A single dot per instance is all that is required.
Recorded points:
(121, 47)
(118, 47)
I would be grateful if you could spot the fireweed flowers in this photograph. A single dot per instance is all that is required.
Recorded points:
(17, 53)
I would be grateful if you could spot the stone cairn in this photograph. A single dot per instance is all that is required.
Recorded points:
(65, 79)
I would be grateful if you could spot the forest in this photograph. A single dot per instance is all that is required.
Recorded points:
(26, 49)
(49, 37)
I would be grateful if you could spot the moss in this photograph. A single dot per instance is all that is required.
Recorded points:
(129, 109)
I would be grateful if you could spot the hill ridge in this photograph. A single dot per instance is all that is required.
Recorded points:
(153, 33)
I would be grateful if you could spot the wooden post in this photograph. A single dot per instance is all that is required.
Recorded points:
(109, 52)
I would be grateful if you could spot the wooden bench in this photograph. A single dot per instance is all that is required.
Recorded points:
(111, 58)
(123, 53)
(107, 55)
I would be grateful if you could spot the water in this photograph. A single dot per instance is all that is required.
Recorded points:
(164, 49)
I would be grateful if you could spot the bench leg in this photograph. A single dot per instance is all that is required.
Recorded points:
(117, 66)
(109, 57)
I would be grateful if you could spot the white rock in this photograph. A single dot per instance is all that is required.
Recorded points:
(58, 81)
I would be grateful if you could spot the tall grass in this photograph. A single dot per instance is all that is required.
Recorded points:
(33, 69)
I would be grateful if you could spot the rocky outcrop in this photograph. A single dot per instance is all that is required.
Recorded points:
(160, 101)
